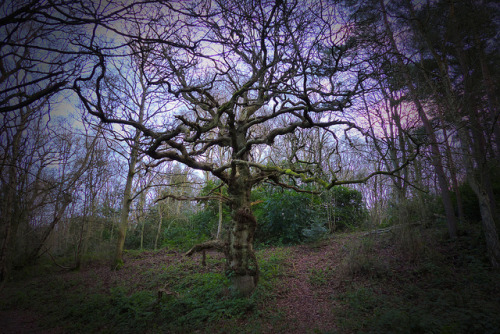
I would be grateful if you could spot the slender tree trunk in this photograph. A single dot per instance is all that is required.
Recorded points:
(79, 246)
(450, 102)
(125, 210)
(117, 262)
(178, 210)
(113, 219)
(454, 180)
(141, 247)
(491, 88)
(87, 242)
(436, 155)
(10, 211)
(479, 145)
(219, 226)
(63, 204)
(9, 228)
(478, 179)
(158, 231)
(6, 246)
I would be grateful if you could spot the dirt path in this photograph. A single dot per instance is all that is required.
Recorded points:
(306, 299)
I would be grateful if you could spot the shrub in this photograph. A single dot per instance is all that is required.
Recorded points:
(287, 218)
(290, 217)
(343, 208)
(182, 236)
(423, 209)
(469, 202)
(360, 260)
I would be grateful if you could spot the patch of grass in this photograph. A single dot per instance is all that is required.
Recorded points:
(194, 298)
(361, 260)
(449, 288)
(200, 298)
(168, 275)
(272, 268)
(414, 311)
(320, 276)
(204, 299)
(411, 242)
(136, 253)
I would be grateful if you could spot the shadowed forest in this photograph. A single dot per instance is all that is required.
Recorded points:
(245, 166)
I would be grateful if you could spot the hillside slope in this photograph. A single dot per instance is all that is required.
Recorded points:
(405, 280)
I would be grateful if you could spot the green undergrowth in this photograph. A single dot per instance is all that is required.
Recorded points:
(180, 297)
(273, 269)
(405, 280)
(451, 289)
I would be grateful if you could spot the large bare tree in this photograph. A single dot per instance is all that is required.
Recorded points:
(242, 75)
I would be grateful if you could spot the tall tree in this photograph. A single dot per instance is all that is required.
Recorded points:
(40, 170)
(457, 58)
(436, 154)
(127, 89)
(41, 52)
(282, 66)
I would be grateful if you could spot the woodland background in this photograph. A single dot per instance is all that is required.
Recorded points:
(364, 134)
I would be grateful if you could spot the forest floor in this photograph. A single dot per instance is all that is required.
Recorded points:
(408, 281)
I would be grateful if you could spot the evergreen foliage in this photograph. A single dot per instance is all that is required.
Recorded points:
(289, 217)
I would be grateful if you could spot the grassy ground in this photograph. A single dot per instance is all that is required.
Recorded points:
(403, 281)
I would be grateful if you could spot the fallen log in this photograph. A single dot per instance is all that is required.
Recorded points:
(390, 228)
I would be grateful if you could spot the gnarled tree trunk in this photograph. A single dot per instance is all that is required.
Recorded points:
(241, 264)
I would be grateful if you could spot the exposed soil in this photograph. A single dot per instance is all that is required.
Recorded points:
(306, 305)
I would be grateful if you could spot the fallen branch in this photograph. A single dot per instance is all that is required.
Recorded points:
(218, 245)
(195, 198)
(57, 264)
(389, 229)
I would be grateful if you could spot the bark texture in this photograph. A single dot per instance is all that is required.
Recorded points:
(242, 263)
(488, 222)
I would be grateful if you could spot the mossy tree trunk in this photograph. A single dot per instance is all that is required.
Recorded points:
(242, 267)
